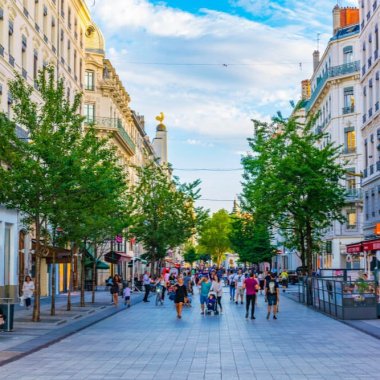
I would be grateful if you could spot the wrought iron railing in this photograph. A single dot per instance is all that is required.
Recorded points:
(347, 68)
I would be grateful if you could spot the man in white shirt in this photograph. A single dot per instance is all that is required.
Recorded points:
(146, 283)
(239, 284)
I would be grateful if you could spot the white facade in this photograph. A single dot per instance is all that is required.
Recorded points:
(370, 123)
(336, 96)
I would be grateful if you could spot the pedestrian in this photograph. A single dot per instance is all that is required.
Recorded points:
(2, 319)
(127, 296)
(161, 282)
(146, 283)
(260, 278)
(205, 286)
(239, 283)
(217, 287)
(231, 282)
(251, 285)
(187, 282)
(27, 291)
(284, 280)
(267, 278)
(273, 295)
(115, 290)
(180, 296)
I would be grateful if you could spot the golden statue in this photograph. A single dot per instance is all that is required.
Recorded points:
(160, 117)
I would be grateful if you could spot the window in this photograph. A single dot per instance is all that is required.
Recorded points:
(75, 64)
(45, 22)
(349, 100)
(376, 38)
(350, 179)
(63, 8)
(35, 65)
(10, 43)
(351, 218)
(36, 12)
(350, 139)
(348, 54)
(69, 18)
(23, 56)
(89, 112)
(89, 80)
(53, 31)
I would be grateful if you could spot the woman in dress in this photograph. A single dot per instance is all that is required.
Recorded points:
(28, 291)
(180, 295)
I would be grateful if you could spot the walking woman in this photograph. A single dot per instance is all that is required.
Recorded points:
(115, 290)
(180, 295)
(28, 291)
(217, 287)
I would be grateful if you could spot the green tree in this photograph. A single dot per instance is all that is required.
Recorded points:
(190, 256)
(293, 182)
(164, 214)
(32, 185)
(214, 236)
(251, 239)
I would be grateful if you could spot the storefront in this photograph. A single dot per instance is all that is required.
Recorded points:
(364, 255)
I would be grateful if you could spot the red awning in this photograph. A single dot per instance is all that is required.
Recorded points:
(355, 248)
(371, 245)
(116, 257)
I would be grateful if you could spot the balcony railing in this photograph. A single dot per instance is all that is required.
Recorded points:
(349, 109)
(112, 123)
(353, 195)
(349, 150)
(336, 71)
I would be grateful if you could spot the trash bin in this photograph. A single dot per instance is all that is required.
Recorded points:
(8, 310)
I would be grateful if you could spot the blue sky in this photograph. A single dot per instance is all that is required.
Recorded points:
(170, 56)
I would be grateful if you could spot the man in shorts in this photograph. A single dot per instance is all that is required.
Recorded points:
(272, 292)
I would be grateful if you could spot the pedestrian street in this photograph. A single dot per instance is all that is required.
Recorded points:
(148, 342)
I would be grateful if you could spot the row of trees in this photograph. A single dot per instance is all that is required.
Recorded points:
(64, 177)
(240, 233)
(292, 183)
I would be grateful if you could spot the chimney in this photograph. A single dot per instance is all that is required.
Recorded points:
(315, 59)
(305, 89)
(336, 19)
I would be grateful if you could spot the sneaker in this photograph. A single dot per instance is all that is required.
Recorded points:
(246, 315)
(241, 303)
(268, 315)
(129, 306)
(202, 313)
(252, 317)
(274, 317)
(236, 302)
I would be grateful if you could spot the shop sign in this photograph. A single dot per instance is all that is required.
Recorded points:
(371, 245)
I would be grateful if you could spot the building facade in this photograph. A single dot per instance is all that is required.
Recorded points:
(336, 97)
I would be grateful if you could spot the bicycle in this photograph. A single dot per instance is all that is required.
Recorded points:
(159, 292)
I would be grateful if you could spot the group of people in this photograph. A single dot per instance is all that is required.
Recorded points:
(243, 288)
(118, 288)
(253, 284)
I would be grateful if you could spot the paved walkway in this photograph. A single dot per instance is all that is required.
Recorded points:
(148, 342)
(28, 336)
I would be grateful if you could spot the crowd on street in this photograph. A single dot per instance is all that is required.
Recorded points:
(244, 286)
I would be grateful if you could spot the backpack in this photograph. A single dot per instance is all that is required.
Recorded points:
(272, 287)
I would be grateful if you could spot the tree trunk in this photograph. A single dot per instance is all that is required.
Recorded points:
(37, 280)
(94, 273)
(302, 246)
(309, 248)
(82, 279)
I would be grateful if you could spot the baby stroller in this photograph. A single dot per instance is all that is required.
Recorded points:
(211, 304)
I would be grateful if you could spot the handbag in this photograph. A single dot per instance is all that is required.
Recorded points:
(171, 296)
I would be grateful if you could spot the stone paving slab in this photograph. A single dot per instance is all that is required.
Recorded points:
(28, 336)
(148, 342)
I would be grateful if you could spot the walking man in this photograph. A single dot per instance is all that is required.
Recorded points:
(146, 283)
(273, 295)
(251, 285)
(239, 283)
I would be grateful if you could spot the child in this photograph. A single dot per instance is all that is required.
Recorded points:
(127, 296)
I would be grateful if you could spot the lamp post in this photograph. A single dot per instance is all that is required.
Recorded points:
(57, 230)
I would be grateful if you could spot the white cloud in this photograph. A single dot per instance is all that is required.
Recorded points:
(200, 143)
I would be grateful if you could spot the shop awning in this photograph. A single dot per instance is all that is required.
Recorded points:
(137, 259)
(371, 245)
(62, 255)
(354, 248)
(114, 257)
(89, 261)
